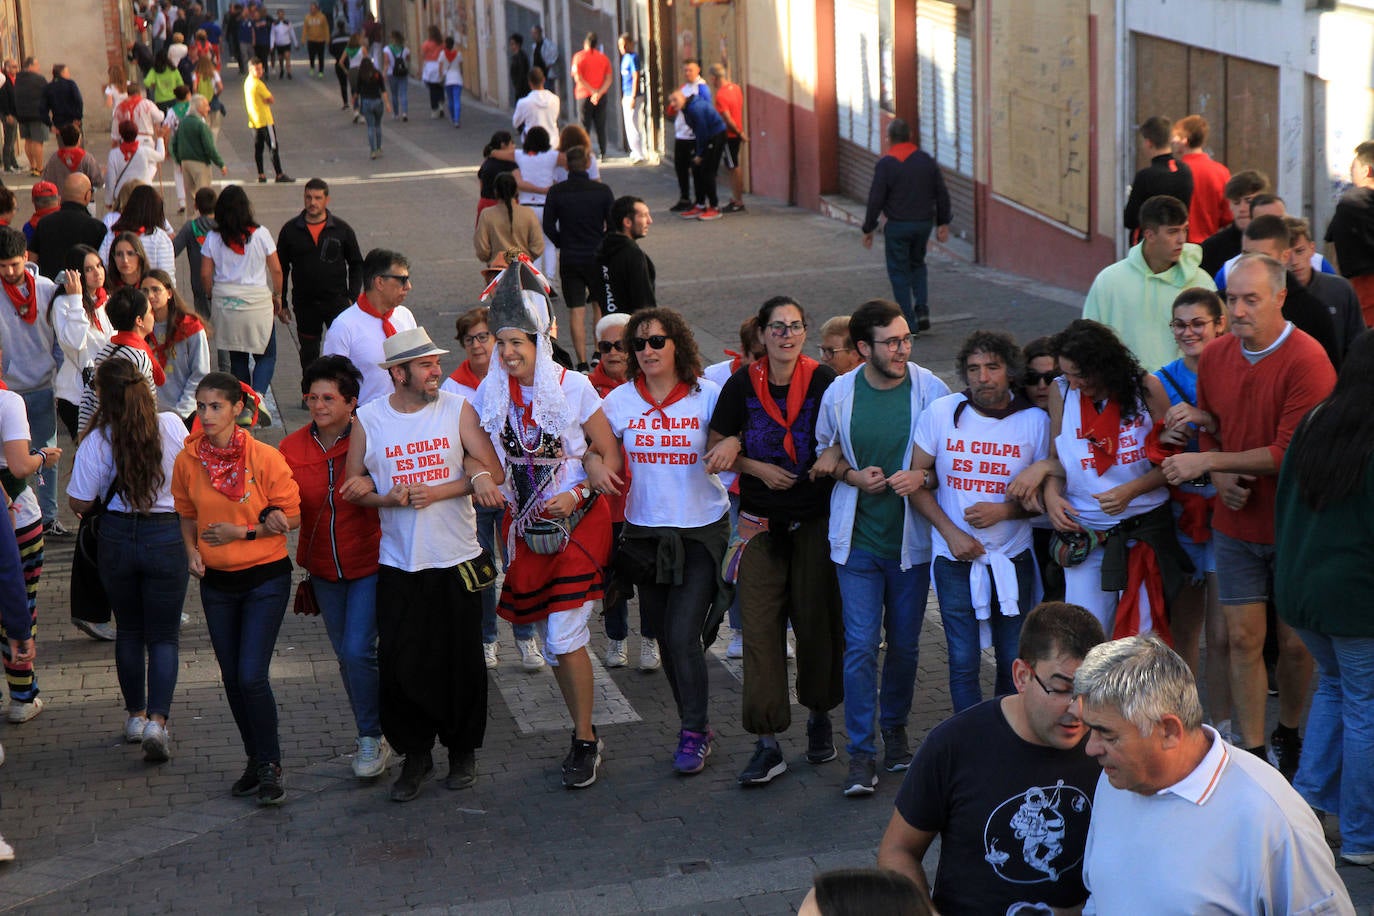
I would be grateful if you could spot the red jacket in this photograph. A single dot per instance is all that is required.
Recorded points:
(338, 540)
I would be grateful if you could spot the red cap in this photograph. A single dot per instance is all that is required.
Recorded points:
(44, 189)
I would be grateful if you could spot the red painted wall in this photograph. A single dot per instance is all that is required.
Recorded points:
(770, 146)
(1015, 241)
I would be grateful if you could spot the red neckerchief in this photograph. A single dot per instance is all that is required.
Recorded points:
(450, 55)
(1142, 568)
(188, 326)
(227, 467)
(680, 391)
(71, 157)
(133, 341)
(464, 375)
(128, 149)
(736, 360)
(388, 328)
(237, 247)
(100, 297)
(602, 382)
(125, 110)
(26, 304)
(1102, 431)
(518, 399)
(796, 395)
(39, 214)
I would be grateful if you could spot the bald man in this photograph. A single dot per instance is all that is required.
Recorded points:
(72, 224)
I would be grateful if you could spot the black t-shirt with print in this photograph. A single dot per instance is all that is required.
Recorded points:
(1012, 816)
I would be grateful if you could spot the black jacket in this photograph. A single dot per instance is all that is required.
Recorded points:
(1309, 314)
(520, 73)
(576, 214)
(57, 232)
(329, 276)
(29, 88)
(627, 273)
(1164, 175)
(7, 109)
(62, 98)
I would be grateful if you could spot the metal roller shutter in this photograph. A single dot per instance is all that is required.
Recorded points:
(944, 45)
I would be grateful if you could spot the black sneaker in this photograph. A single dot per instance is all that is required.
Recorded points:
(820, 740)
(247, 784)
(896, 750)
(284, 178)
(579, 767)
(765, 766)
(1284, 753)
(732, 207)
(262, 179)
(922, 324)
(863, 776)
(414, 771)
(462, 770)
(270, 790)
(683, 204)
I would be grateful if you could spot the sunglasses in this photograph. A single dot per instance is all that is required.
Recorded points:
(606, 346)
(657, 341)
(1041, 378)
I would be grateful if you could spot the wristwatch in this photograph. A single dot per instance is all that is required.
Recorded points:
(252, 534)
(584, 493)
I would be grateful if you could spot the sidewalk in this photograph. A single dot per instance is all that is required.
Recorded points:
(98, 830)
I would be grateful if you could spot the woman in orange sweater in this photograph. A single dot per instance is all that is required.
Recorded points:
(237, 501)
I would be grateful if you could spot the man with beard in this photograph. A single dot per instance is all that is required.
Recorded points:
(880, 546)
(320, 252)
(1007, 785)
(975, 443)
(420, 457)
(361, 330)
(626, 271)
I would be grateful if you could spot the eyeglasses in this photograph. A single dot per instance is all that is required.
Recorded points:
(479, 338)
(1066, 692)
(403, 279)
(1040, 378)
(829, 352)
(606, 346)
(657, 341)
(1197, 324)
(894, 344)
(786, 328)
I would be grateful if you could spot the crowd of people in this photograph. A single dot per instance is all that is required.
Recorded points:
(1095, 506)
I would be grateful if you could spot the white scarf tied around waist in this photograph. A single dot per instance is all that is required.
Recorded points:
(993, 567)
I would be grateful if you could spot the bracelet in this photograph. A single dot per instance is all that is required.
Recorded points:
(262, 516)
(473, 479)
(844, 478)
(42, 456)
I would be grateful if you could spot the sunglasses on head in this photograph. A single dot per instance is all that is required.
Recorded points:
(657, 341)
(606, 346)
(1041, 378)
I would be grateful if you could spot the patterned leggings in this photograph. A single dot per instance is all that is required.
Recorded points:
(23, 683)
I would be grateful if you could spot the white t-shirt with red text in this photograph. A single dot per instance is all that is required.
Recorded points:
(975, 462)
(666, 454)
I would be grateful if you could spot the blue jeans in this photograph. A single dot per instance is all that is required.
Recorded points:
(264, 365)
(144, 571)
(878, 595)
(1337, 769)
(243, 629)
(41, 406)
(488, 533)
(399, 87)
(372, 116)
(455, 104)
(961, 627)
(904, 242)
(349, 609)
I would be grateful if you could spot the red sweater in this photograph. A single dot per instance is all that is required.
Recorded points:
(1259, 406)
(338, 540)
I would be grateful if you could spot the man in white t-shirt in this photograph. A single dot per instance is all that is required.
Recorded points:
(362, 329)
(419, 457)
(976, 442)
(1182, 822)
(881, 548)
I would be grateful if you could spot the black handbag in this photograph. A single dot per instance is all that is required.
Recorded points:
(635, 560)
(89, 602)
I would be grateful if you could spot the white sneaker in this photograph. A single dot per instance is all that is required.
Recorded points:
(156, 743)
(530, 656)
(616, 656)
(648, 655)
(489, 654)
(23, 712)
(6, 851)
(371, 758)
(736, 647)
(133, 729)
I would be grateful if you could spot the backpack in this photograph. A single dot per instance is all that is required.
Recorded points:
(400, 68)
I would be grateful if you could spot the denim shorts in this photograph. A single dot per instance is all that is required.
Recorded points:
(1245, 570)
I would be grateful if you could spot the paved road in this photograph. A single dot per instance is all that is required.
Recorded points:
(98, 830)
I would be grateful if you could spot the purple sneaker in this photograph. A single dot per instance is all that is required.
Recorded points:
(692, 750)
